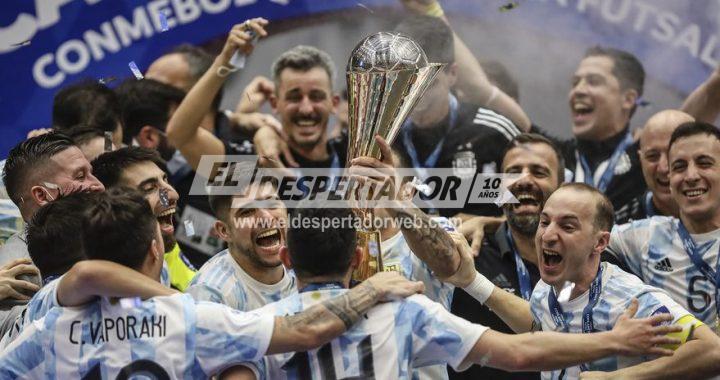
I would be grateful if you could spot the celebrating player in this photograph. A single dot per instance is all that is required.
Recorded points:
(573, 232)
(395, 337)
(681, 255)
(105, 338)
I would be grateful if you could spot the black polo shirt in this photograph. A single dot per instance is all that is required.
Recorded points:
(496, 261)
(627, 183)
(474, 144)
(182, 181)
(335, 146)
(640, 207)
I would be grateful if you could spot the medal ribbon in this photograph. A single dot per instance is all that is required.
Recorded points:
(522, 272)
(692, 250)
(609, 172)
(649, 208)
(435, 155)
(588, 326)
(432, 159)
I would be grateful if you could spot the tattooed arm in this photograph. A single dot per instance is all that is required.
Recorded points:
(323, 322)
(428, 241)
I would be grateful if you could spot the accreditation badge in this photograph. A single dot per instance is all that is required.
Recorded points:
(464, 164)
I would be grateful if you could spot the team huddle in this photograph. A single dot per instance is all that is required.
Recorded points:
(607, 266)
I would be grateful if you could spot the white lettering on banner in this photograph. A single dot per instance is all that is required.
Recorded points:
(63, 57)
(186, 10)
(666, 24)
(73, 56)
(155, 8)
(41, 76)
(643, 10)
(106, 40)
(133, 31)
(662, 26)
(220, 6)
(621, 12)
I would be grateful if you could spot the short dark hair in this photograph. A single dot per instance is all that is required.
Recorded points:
(627, 68)
(220, 203)
(52, 234)
(86, 102)
(82, 134)
(604, 211)
(26, 158)
(198, 61)
(303, 58)
(534, 138)
(146, 102)
(316, 251)
(432, 34)
(109, 166)
(119, 226)
(692, 128)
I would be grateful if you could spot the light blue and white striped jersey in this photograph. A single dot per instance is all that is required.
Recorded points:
(397, 256)
(391, 340)
(618, 290)
(222, 280)
(652, 249)
(39, 305)
(44, 300)
(169, 337)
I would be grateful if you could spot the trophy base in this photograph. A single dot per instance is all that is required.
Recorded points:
(371, 260)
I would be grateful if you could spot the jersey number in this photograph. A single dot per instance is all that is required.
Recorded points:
(300, 363)
(145, 368)
(698, 294)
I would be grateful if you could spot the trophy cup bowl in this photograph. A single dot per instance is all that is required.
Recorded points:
(386, 75)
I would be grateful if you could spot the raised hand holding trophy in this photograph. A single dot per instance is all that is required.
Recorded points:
(386, 75)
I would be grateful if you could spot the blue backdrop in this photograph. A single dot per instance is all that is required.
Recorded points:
(72, 39)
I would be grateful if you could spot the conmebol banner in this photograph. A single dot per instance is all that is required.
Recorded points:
(45, 44)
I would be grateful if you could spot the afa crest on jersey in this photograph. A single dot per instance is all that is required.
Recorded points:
(464, 164)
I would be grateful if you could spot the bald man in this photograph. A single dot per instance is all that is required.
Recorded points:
(654, 140)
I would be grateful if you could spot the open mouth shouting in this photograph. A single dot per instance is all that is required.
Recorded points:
(528, 202)
(581, 112)
(269, 240)
(165, 219)
(551, 260)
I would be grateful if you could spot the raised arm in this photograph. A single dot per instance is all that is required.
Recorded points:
(541, 351)
(698, 358)
(329, 319)
(473, 85)
(704, 102)
(183, 129)
(92, 278)
(513, 310)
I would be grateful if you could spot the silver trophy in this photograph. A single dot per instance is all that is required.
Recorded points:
(386, 75)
